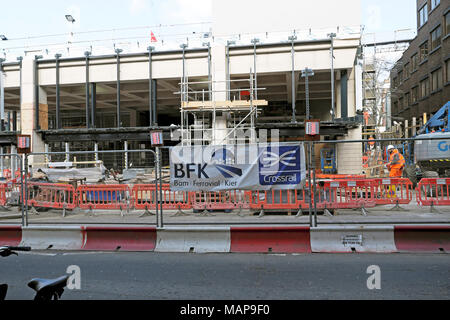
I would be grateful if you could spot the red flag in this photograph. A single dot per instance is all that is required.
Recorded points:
(153, 38)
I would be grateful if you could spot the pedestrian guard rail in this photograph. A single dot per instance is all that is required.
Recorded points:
(329, 194)
(433, 192)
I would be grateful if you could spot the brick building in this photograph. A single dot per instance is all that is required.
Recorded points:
(420, 80)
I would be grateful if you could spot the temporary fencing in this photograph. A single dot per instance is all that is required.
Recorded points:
(144, 197)
(433, 192)
(345, 194)
(51, 195)
(106, 196)
(393, 191)
(10, 192)
(224, 200)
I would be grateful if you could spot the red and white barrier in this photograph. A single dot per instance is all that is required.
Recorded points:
(223, 200)
(10, 235)
(52, 237)
(339, 239)
(270, 239)
(119, 238)
(51, 195)
(422, 238)
(144, 197)
(326, 239)
(393, 191)
(433, 192)
(193, 239)
(103, 196)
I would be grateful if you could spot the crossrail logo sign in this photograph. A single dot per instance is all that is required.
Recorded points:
(279, 165)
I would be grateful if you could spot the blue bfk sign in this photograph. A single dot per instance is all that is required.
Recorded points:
(257, 167)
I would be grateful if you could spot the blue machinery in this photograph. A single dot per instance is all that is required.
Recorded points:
(440, 122)
(328, 161)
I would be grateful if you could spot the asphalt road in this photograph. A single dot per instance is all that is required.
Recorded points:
(155, 276)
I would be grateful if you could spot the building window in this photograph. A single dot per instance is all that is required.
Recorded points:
(414, 62)
(447, 67)
(395, 82)
(406, 71)
(400, 103)
(424, 88)
(436, 80)
(434, 3)
(423, 51)
(407, 100)
(414, 94)
(436, 36)
(423, 15)
(447, 23)
(400, 76)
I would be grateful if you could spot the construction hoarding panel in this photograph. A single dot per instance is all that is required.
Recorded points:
(242, 167)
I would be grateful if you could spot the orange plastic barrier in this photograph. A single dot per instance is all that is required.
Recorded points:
(433, 192)
(51, 195)
(345, 194)
(341, 194)
(144, 197)
(393, 191)
(278, 199)
(224, 200)
(104, 196)
(3, 187)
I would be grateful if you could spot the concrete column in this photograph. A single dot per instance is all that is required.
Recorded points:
(344, 93)
(414, 126)
(27, 109)
(338, 95)
(219, 67)
(349, 155)
(358, 85)
(351, 94)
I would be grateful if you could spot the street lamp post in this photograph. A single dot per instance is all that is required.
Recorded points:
(332, 36)
(254, 42)
(292, 39)
(70, 19)
(306, 73)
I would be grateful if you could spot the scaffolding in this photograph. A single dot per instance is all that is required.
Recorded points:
(200, 108)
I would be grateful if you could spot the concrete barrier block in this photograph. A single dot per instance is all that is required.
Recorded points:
(193, 239)
(119, 238)
(353, 239)
(10, 235)
(270, 239)
(52, 237)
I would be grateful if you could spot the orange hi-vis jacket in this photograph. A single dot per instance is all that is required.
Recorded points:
(396, 164)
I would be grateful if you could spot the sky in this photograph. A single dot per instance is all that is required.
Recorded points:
(21, 20)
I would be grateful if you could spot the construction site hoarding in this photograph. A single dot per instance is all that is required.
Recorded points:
(276, 166)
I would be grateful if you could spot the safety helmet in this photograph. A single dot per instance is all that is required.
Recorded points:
(391, 147)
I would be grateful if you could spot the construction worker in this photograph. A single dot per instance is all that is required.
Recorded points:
(396, 163)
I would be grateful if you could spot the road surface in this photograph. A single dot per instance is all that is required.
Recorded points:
(121, 275)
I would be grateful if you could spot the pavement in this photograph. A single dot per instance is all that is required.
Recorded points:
(173, 276)
(377, 215)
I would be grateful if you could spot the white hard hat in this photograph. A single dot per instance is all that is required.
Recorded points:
(390, 147)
